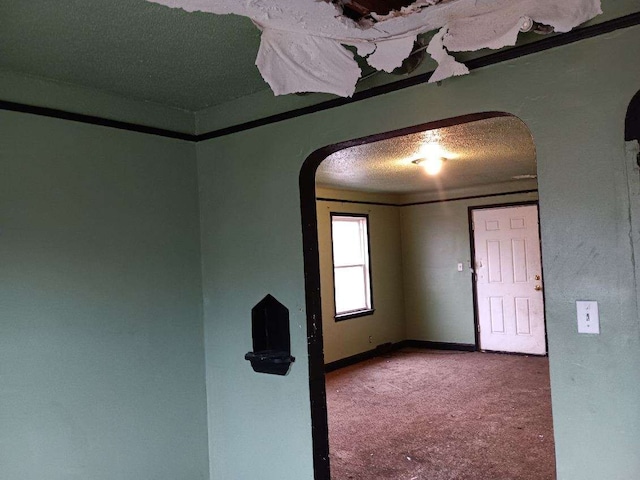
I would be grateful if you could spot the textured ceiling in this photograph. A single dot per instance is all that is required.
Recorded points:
(132, 48)
(483, 152)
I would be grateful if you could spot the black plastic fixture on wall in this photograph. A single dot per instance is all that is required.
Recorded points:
(271, 340)
(632, 122)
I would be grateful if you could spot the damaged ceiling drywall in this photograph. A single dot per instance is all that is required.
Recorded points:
(302, 43)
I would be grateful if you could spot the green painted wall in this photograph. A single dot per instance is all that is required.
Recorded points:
(356, 335)
(101, 355)
(251, 246)
(435, 238)
(574, 100)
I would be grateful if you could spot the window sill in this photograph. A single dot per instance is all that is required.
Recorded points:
(359, 313)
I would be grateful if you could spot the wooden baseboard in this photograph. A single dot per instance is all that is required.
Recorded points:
(517, 353)
(462, 347)
(361, 357)
(386, 348)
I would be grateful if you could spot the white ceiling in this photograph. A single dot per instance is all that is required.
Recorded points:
(482, 152)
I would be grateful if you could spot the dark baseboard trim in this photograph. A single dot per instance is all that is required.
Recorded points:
(387, 348)
(461, 347)
(552, 41)
(517, 354)
(383, 349)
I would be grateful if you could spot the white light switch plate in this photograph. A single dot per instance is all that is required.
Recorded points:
(459, 267)
(588, 317)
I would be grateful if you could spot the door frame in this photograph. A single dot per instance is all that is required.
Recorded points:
(311, 259)
(472, 242)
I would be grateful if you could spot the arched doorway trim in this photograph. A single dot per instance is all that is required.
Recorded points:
(319, 425)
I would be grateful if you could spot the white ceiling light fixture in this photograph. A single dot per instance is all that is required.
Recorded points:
(302, 43)
(431, 156)
(432, 165)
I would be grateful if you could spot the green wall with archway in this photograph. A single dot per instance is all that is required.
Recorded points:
(573, 99)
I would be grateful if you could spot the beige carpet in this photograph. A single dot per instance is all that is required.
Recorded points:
(435, 415)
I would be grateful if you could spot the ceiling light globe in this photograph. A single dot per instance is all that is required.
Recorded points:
(432, 165)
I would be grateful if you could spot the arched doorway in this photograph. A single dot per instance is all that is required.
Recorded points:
(312, 275)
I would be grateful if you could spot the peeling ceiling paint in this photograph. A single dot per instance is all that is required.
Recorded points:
(301, 48)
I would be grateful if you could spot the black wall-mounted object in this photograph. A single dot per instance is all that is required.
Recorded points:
(632, 122)
(271, 341)
(632, 119)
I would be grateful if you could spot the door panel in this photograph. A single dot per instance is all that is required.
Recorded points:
(497, 314)
(509, 279)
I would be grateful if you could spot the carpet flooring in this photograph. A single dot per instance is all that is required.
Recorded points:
(436, 415)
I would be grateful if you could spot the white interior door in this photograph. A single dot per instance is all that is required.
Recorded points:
(509, 279)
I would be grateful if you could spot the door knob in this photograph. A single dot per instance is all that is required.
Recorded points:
(537, 277)
(537, 287)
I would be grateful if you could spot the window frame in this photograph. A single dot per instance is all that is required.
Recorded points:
(365, 311)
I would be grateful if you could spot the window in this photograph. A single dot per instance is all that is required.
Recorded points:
(351, 272)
